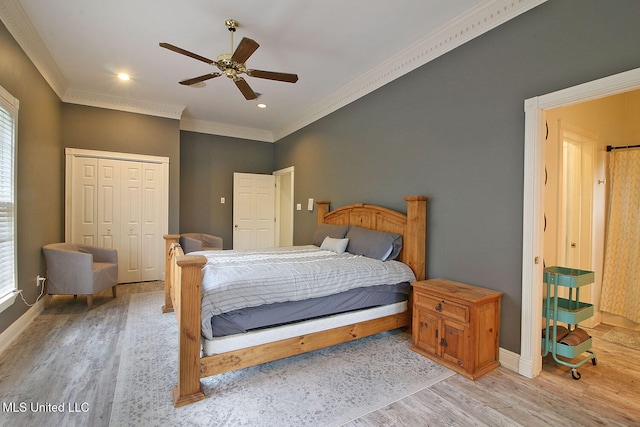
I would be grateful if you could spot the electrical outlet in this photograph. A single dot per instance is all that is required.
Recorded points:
(40, 280)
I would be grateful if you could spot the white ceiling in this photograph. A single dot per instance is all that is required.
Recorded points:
(341, 50)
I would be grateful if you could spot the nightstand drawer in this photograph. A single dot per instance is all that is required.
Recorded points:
(447, 308)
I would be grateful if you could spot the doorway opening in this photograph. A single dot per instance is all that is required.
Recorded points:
(263, 209)
(284, 206)
(575, 196)
(530, 360)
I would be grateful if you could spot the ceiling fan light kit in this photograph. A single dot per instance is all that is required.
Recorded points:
(233, 64)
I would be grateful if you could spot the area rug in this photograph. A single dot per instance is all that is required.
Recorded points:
(322, 388)
(623, 336)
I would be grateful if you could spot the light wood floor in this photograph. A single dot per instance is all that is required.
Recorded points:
(71, 354)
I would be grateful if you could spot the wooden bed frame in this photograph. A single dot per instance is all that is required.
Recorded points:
(183, 294)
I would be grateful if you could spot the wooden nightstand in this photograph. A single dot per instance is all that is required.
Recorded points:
(457, 325)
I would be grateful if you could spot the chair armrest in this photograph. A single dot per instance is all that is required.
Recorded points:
(190, 244)
(101, 254)
(61, 261)
(210, 241)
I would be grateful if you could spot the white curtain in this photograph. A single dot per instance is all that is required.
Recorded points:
(621, 276)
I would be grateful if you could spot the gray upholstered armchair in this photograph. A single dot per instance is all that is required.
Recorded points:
(191, 242)
(76, 269)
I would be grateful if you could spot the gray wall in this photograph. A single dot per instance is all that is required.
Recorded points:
(109, 130)
(207, 164)
(40, 185)
(454, 130)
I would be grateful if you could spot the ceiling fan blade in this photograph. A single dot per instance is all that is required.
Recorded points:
(189, 82)
(244, 87)
(187, 53)
(244, 50)
(272, 75)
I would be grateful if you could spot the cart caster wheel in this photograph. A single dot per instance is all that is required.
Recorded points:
(594, 361)
(575, 374)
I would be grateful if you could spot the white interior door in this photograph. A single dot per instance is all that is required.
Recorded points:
(82, 202)
(108, 207)
(153, 225)
(253, 211)
(130, 218)
(577, 202)
(576, 245)
(119, 201)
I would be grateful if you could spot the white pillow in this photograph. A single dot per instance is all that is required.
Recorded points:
(336, 245)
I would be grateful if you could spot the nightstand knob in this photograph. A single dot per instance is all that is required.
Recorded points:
(443, 343)
(439, 307)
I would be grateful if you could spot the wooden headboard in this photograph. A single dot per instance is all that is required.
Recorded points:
(411, 226)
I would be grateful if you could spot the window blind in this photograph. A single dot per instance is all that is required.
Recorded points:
(8, 130)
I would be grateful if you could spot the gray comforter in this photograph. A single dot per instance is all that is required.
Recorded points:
(249, 278)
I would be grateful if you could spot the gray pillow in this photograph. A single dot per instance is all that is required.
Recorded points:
(373, 244)
(331, 230)
(335, 245)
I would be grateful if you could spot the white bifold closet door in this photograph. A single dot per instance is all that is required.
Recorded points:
(119, 201)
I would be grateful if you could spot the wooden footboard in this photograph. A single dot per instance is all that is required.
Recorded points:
(251, 356)
(169, 241)
(183, 284)
(183, 296)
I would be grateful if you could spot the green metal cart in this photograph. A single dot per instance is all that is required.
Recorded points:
(570, 311)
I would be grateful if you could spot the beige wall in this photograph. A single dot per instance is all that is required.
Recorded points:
(631, 134)
(613, 119)
(614, 122)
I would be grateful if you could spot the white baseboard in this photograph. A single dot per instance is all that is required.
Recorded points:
(509, 360)
(16, 328)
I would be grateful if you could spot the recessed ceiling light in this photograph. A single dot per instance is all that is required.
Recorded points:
(124, 76)
(262, 105)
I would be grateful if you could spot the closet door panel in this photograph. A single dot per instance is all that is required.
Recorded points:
(119, 201)
(83, 206)
(108, 206)
(130, 220)
(154, 203)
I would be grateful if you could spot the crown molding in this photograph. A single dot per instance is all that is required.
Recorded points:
(15, 19)
(94, 99)
(214, 128)
(455, 33)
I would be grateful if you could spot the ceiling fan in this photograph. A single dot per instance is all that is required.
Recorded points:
(233, 64)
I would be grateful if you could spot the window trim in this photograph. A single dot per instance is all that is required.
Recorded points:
(11, 104)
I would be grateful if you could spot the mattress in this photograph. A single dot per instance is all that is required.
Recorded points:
(252, 318)
(235, 280)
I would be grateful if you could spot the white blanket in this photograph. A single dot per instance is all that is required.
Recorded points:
(249, 278)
